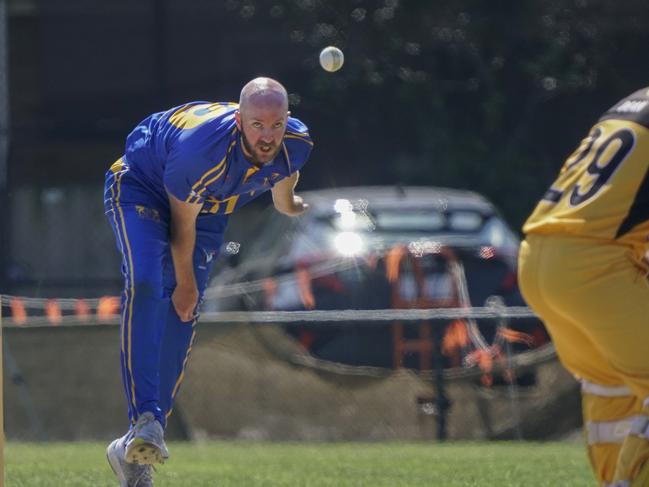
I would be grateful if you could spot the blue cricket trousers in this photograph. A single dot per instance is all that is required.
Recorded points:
(155, 344)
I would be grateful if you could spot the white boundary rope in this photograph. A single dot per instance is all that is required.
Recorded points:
(326, 317)
(366, 315)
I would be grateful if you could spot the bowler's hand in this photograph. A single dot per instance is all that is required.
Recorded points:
(185, 299)
(299, 206)
(285, 199)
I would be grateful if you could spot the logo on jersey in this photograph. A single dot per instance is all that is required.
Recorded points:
(147, 213)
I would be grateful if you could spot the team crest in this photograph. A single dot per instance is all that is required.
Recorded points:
(147, 213)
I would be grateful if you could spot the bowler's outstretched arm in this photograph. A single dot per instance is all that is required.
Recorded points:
(285, 199)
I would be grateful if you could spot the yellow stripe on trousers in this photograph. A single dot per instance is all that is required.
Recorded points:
(182, 372)
(127, 316)
(126, 291)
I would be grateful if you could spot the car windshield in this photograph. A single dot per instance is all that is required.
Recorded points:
(353, 230)
(413, 220)
(459, 226)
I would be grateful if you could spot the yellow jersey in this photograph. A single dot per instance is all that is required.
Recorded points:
(602, 190)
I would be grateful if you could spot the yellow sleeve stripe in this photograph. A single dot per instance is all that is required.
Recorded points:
(210, 181)
(205, 184)
(215, 168)
(291, 136)
(202, 182)
(194, 196)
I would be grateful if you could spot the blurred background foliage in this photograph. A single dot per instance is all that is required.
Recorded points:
(489, 96)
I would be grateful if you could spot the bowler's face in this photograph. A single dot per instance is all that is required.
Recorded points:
(262, 129)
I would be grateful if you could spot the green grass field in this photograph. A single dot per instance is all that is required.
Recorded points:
(238, 464)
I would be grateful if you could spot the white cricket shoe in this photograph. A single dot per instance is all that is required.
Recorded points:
(146, 444)
(128, 474)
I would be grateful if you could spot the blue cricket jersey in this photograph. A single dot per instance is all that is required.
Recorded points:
(194, 151)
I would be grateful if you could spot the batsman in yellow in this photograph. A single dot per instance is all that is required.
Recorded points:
(583, 269)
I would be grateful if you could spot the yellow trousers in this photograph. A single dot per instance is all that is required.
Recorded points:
(594, 300)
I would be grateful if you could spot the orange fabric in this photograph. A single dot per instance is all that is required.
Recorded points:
(455, 337)
(108, 307)
(53, 311)
(483, 359)
(269, 286)
(393, 263)
(82, 309)
(306, 339)
(514, 336)
(487, 380)
(304, 285)
(18, 311)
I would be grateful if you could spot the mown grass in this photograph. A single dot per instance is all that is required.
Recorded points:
(238, 464)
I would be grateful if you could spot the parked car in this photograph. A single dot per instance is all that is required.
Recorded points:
(341, 254)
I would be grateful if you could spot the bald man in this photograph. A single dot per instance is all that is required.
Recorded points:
(168, 200)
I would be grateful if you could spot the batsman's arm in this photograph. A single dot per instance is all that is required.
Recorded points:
(182, 241)
(285, 199)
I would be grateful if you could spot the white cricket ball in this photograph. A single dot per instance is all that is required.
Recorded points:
(331, 59)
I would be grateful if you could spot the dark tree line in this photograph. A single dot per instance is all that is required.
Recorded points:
(489, 96)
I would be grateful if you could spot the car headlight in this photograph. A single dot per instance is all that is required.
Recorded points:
(349, 244)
